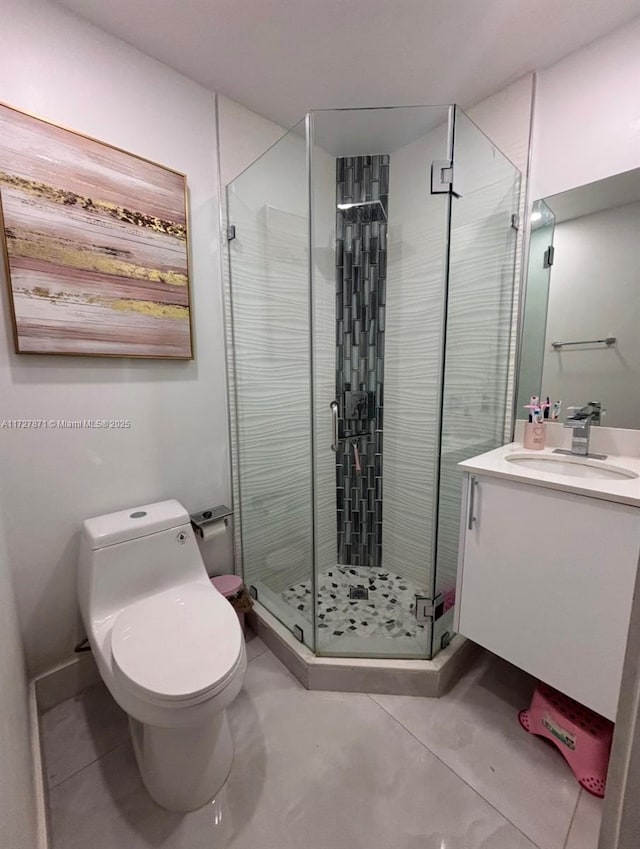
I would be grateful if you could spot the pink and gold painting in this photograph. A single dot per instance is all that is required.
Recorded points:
(95, 244)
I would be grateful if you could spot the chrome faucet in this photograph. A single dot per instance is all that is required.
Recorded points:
(580, 422)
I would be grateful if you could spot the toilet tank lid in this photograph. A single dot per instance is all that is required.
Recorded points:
(134, 523)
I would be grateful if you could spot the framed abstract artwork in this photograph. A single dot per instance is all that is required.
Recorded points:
(95, 245)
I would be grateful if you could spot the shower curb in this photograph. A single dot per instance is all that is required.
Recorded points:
(430, 678)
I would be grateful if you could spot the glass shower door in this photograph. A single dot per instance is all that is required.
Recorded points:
(482, 251)
(370, 314)
(268, 308)
(378, 271)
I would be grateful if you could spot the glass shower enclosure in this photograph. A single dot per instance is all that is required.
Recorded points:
(369, 299)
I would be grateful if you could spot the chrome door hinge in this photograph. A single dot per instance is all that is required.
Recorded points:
(231, 232)
(549, 254)
(429, 609)
(442, 178)
(515, 221)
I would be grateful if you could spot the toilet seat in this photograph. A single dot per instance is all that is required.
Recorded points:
(178, 647)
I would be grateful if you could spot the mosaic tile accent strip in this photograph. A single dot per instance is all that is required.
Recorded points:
(361, 271)
(389, 610)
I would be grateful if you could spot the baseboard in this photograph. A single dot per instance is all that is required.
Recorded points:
(38, 771)
(65, 681)
(463, 655)
(294, 655)
(45, 692)
(429, 678)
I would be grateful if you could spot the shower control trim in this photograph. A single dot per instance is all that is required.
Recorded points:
(334, 425)
(356, 405)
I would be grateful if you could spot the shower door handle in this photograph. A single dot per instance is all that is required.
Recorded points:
(334, 425)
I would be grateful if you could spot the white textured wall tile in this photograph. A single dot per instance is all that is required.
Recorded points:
(481, 278)
(413, 330)
(269, 296)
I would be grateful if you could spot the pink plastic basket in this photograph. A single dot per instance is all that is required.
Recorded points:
(583, 736)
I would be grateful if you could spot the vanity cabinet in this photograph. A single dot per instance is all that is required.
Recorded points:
(545, 580)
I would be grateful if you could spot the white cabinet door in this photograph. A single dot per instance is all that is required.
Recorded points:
(546, 582)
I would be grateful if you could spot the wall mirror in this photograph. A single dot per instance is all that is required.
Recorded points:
(581, 321)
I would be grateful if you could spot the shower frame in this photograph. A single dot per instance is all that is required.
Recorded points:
(432, 600)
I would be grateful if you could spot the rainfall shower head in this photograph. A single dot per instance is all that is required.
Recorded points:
(359, 213)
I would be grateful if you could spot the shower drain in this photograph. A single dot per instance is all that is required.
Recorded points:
(358, 592)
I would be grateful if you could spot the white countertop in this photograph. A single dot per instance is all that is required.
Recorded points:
(495, 464)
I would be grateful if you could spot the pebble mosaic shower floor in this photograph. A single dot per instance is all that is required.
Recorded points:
(389, 611)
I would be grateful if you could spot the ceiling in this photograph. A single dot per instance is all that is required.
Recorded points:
(361, 132)
(282, 58)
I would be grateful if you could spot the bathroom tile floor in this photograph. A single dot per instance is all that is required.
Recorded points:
(330, 771)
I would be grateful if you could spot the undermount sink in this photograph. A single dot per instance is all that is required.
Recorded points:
(575, 467)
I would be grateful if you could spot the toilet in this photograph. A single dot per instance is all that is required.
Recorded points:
(167, 644)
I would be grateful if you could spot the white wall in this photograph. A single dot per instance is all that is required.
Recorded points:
(18, 815)
(69, 72)
(504, 117)
(593, 294)
(587, 123)
(243, 136)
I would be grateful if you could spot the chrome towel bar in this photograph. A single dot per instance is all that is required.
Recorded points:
(608, 341)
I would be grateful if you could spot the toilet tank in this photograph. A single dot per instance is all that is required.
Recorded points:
(132, 554)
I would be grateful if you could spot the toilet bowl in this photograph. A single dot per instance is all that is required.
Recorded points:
(168, 646)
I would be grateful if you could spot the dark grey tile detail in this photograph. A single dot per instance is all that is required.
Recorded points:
(384, 180)
(360, 298)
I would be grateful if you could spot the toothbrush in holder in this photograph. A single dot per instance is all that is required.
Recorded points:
(537, 412)
(534, 430)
